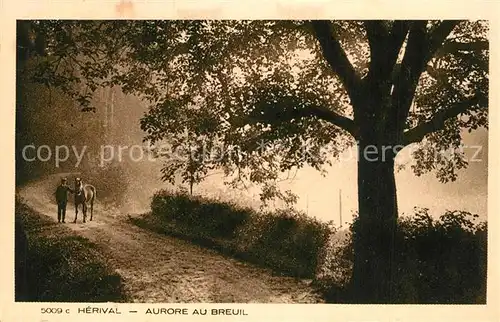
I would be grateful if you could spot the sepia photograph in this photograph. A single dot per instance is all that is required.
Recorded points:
(251, 161)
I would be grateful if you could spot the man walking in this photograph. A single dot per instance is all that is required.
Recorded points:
(62, 199)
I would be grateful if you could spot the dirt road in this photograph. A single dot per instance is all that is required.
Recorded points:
(163, 269)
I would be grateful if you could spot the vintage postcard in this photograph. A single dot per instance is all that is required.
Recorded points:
(206, 160)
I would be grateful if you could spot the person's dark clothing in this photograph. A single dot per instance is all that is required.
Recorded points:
(62, 193)
(62, 200)
(61, 211)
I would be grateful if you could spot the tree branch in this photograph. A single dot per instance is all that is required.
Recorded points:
(454, 46)
(385, 46)
(330, 116)
(267, 113)
(397, 36)
(336, 57)
(437, 121)
(378, 35)
(437, 37)
(433, 72)
(420, 49)
(405, 82)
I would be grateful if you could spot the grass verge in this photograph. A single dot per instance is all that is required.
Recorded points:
(55, 265)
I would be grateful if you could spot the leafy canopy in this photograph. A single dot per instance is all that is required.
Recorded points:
(259, 98)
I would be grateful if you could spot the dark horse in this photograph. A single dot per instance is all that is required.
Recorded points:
(85, 194)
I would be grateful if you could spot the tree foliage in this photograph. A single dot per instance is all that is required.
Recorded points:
(273, 95)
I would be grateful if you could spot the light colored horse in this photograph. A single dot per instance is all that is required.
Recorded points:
(85, 194)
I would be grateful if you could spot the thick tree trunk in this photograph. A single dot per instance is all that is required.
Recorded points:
(374, 237)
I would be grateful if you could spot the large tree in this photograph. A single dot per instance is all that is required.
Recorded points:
(278, 95)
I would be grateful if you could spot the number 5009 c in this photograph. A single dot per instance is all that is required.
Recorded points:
(57, 310)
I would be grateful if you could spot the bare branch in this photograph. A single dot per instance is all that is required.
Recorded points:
(336, 57)
(437, 122)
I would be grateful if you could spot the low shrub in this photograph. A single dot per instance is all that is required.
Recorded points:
(286, 240)
(443, 261)
(206, 216)
(438, 261)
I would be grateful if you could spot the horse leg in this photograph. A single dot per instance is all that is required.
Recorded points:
(84, 207)
(76, 212)
(91, 209)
